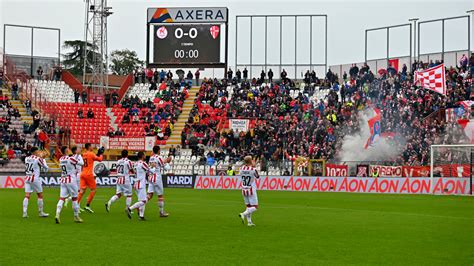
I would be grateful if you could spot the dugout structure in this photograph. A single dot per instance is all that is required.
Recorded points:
(452, 161)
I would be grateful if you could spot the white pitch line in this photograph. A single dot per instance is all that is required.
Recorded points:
(282, 206)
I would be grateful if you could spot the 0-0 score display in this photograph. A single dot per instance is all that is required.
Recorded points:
(186, 44)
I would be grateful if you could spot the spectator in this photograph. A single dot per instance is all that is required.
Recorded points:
(262, 76)
(28, 106)
(90, 114)
(42, 137)
(80, 113)
(197, 74)
(58, 72)
(172, 151)
(39, 73)
(246, 74)
(189, 76)
(15, 90)
(463, 62)
(115, 97)
(270, 75)
(156, 75)
(210, 159)
(107, 99)
(84, 97)
(135, 119)
(76, 96)
(169, 75)
(126, 119)
(136, 75)
(283, 75)
(111, 132)
(119, 132)
(238, 75)
(229, 74)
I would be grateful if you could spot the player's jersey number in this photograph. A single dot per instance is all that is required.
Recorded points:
(120, 169)
(63, 169)
(246, 180)
(29, 168)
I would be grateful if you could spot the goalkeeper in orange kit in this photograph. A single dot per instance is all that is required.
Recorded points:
(87, 175)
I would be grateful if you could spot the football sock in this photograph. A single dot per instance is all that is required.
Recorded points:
(59, 207)
(141, 210)
(75, 207)
(249, 210)
(25, 205)
(113, 199)
(128, 201)
(137, 205)
(161, 204)
(40, 205)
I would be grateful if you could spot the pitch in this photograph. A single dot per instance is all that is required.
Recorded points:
(203, 228)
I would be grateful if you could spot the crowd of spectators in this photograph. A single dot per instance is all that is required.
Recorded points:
(158, 115)
(291, 122)
(155, 76)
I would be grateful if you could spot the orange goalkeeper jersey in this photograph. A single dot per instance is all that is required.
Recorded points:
(89, 159)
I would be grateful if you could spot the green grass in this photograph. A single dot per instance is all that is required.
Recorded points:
(203, 228)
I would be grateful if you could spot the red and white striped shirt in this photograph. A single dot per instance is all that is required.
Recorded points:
(33, 165)
(157, 165)
(248, 174)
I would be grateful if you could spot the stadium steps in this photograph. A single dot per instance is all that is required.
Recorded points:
(175, 138)
(25, 117)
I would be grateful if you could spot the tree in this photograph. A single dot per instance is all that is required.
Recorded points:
(123, 62)
(74, 60)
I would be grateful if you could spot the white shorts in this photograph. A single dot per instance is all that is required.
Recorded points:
(35, 186)
(156, 187)
(141, 194)
(250, 196)
(68, 189)
(125, 189)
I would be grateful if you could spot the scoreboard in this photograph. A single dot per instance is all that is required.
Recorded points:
(187, 37)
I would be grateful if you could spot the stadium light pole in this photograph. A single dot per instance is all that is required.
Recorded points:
(414, 20)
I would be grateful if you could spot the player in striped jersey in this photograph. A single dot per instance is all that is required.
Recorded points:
(33, 164)
(76, 154)
(68, 184)
(124, 183)
(139, 184)
(248, 174)
(155, 182)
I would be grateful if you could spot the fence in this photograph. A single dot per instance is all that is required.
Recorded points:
(450, 59)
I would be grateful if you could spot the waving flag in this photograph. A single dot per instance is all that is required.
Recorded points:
(467, 104)
(468, 127)
(375, 128)
(432, 79)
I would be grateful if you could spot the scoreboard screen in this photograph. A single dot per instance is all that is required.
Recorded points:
(187, 37)
(187, 43)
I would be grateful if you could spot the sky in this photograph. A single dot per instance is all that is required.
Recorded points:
(347, 22)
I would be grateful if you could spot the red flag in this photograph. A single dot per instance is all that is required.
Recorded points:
(432, 79)
(374, 126)
(394, 63)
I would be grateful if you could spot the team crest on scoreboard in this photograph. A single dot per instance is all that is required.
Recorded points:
(162, 32)
(214, 31)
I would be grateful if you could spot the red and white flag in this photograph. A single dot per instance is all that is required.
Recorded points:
(432, 79)
(468, 127)
(467, 104)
